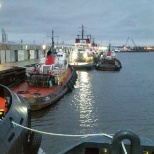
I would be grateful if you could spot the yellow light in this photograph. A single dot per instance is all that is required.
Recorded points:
(85, 55)
(43, 46)
(105, 150)
(145, 152)
(74, 55)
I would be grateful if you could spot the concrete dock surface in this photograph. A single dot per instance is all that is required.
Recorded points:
(5, 66)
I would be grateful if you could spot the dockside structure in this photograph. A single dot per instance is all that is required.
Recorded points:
(13, 52)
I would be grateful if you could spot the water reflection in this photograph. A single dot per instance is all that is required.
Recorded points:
(84, 101)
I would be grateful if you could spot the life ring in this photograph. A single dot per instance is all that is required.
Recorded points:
(35, 142)
(125, 134)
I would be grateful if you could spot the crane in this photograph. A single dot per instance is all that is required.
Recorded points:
(134, 44)
(135, 47)
(126, 42)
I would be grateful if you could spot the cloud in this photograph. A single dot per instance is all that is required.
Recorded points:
(103, 19)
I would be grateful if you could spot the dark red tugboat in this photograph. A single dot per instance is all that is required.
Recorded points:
(44, 89)
(108, 62)
(16, 140)
(48, 82)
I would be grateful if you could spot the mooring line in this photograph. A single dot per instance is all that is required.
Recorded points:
(67, 135)
(56, 134)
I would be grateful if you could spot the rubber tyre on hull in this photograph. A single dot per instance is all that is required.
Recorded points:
(70, 88)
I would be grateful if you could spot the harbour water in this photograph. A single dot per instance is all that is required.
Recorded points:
(102, 102)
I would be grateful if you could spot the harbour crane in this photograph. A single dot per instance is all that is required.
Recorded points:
(126, 42)
(135, 47)
(134, 44)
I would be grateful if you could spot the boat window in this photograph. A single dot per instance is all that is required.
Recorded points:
(46, 69)
(81, 49)
(59, 55)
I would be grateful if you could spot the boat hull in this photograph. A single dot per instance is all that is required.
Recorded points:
(108, 65)
(107, 68)
(42, 97)
(83, 66)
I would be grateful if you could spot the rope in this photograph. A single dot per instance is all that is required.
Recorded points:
(123, 147)
(54, 134)
(67, 135)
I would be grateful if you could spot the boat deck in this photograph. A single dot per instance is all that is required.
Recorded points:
(26, 91)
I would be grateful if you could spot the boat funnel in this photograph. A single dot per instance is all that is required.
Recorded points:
(50, 58)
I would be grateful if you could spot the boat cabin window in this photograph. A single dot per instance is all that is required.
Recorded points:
(92, 150)
(46, 68)
(57, 68)
(59, 55)
(81, 50)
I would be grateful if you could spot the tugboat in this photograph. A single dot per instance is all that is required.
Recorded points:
(48, 82)
(82, 55)
(16, 140)
(108, 62)
(123, 142)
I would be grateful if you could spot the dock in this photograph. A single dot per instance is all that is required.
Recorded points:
(5, 66)
(19, 54)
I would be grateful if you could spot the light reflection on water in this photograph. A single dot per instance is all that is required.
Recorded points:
(84, 101)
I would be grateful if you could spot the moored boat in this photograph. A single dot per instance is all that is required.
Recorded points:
(42, 84)
(48, 82)
(16, 140)
(122, 142)
(108, 62)
(116, 50)
(82, 55)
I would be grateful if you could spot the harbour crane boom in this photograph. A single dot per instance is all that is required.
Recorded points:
(126, 41)
(133, 43)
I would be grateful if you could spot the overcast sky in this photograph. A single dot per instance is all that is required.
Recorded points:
(115, 20)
